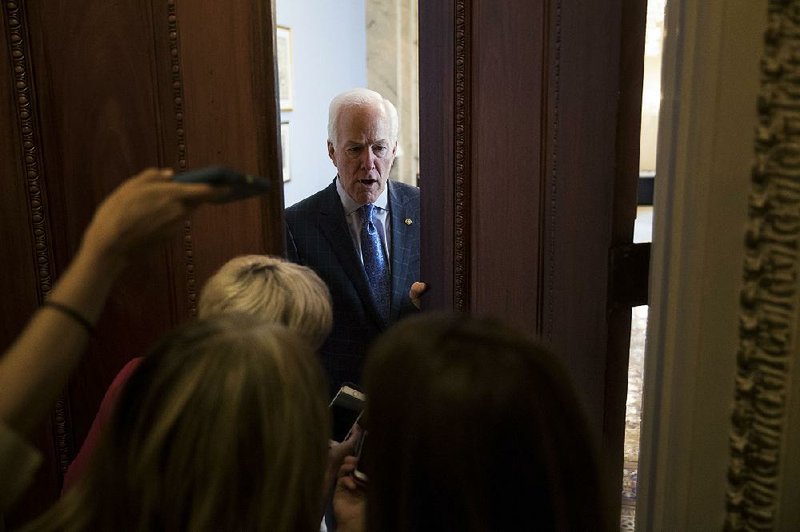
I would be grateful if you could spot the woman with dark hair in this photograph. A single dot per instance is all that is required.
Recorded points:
(471, 426)
(224, 426)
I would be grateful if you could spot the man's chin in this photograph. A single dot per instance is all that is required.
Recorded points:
(367, 194)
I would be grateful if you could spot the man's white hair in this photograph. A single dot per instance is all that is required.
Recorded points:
(357, 98)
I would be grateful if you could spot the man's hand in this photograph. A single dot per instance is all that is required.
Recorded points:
(349, 499)
(416, 291)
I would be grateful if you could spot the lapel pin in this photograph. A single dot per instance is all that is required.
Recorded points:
(409, 221)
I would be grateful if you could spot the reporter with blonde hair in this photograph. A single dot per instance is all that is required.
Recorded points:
(274, 289)
(266, 287)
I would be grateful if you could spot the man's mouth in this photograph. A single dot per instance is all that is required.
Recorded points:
(368, 182)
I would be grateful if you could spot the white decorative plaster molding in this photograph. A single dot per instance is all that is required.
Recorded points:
(710, 81)
(768, 325)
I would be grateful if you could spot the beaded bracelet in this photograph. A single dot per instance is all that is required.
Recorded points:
(72, 313)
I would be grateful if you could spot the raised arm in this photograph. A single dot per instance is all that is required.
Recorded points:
(140, 212)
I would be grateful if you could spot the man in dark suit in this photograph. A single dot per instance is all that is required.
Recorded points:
(361, 233)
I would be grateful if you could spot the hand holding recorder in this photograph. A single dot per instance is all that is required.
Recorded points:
(241, 185)
(346, 408)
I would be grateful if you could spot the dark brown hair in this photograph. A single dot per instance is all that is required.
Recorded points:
(475, 427)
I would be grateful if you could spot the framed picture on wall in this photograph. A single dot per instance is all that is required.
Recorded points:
(286, 153)
(283, 41)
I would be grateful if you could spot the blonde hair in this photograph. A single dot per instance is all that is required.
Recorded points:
(223, 427)
(274, 290)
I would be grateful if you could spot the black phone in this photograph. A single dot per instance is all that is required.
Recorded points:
(346, 407)
(361, 453)
(241, 185)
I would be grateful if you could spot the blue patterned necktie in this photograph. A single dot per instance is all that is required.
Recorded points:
(375, 263)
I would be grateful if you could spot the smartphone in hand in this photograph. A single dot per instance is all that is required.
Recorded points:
(346, 407)
(361, 453)
(241, 185)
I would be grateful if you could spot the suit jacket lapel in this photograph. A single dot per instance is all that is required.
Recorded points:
(401, 232)
(334, 225)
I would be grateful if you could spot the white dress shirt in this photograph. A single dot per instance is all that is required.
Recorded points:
(380, 218)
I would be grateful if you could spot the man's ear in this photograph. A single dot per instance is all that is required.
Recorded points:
(331, 151)
(394, 150)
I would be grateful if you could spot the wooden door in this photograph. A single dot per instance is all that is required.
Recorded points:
(529, 132)
(92, 92)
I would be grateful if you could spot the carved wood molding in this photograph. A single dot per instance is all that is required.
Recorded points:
(31, 143)
(62, 428)
(769, 295)
(177, 81)
(550, 197)
(180, 132)
(31, 151)
(188, 255)
(462, 144)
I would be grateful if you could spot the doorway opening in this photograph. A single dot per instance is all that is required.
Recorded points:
(388, 42)
(643, 232)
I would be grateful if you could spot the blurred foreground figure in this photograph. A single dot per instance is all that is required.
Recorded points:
(268, 288)
(471, 426)
(139, 213)
(224, 426)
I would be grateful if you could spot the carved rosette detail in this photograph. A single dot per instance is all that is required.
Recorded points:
(177, 104)
(769, 295)
(462, 101)
(30, 147)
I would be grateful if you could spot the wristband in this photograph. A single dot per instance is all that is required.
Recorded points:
(72, 313)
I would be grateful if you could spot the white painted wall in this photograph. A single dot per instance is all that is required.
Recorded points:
(328, 57)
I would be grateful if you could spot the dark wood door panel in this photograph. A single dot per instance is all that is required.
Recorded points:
(108, 89)
(20, 281)
(529, 136)
(507, 160)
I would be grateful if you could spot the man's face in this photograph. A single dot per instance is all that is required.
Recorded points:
(363, 152)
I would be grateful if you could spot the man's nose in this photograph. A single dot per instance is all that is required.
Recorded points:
(368, 160)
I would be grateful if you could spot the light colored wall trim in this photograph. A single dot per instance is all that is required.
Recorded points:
(705, 152)
(392, 70)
